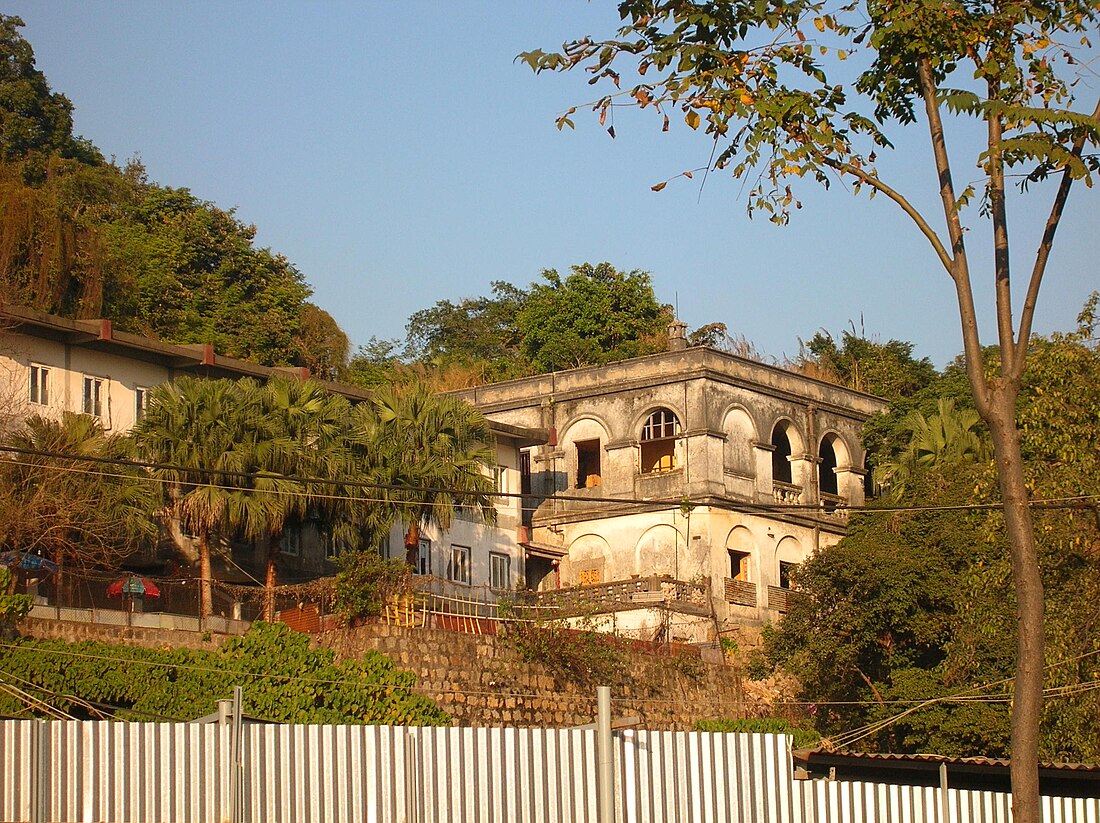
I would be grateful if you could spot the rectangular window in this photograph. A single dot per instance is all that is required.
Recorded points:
(424, 557)
(332, 550)
(500, 478)
(500, 571)
(141, 402)
(658, 456)
(588, 464)
(739, 565)
(93, 396)
(525, 472)
(459, 569)
(292, 543)
(40, 386)
(786, 575)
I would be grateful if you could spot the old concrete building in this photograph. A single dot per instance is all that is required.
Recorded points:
(691, 465)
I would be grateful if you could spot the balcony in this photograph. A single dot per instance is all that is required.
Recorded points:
(740, 592)
(781, 600)
(636, 593)
(786, 493)
(834, 506)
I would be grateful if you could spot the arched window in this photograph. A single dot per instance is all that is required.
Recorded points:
(658, 440)
(781, 453)
(826, 469)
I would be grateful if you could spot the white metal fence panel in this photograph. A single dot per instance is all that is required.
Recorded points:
(1071, 809)
(134, 772)
(844, 801)
(342, 774)
(19, 769)
(699, 777)
(493, 775)
(100, 772)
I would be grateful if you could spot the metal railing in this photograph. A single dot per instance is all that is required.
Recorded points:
(141, 620)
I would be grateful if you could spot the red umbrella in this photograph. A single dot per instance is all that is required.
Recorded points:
(133, 585)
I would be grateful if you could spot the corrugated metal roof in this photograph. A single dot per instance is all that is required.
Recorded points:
(804, 755)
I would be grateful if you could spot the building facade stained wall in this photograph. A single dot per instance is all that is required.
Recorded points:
(659, 462)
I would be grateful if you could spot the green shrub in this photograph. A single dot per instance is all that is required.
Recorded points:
(803, 738)
(365, 582)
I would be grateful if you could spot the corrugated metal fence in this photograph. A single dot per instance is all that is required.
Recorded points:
(94, 772)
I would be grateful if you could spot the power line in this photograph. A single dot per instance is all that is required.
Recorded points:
(1068, 502)
(966, 695)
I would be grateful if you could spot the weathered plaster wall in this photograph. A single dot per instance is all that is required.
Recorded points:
(728, 409)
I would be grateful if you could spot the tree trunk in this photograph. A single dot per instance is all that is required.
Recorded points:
(61, 581)
(1027, 692)
(271, 577)
(206, 576)
(412, 545)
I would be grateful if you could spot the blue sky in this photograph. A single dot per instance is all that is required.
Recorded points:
(398, 156)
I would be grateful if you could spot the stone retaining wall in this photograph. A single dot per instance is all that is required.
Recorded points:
(483, 681)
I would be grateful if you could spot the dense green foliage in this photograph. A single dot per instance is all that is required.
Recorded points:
(802, 738)
(479, 333)
(430, 452)
(283, 679)
(81, 237)
(887, 370)
(233, 458)
(594, 315)
(34, 121)
(917, 606)
(12, 606)
(366, 582)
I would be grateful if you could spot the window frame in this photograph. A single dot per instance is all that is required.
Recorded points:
(423, 557)
(782, 452)
(495, 559)
(38, 388)
(588, 454)
(657, 442)
(463, 552)
(743, 560)
(91, 396)
(787, 571)
(141, 402)
(291, 544)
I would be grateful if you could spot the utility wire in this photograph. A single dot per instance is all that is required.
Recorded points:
(427, 691)
(1075, 501)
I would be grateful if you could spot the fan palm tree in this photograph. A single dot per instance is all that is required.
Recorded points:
(950, 437)
(301, 432)
(197, 432)
(430, 451)
(79, 513)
